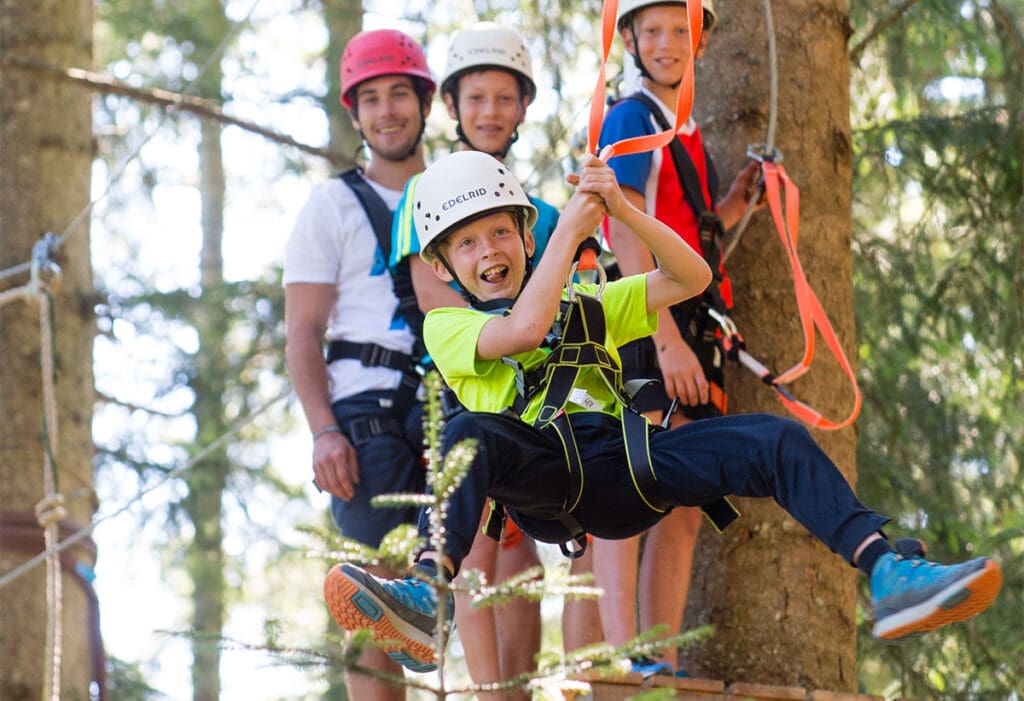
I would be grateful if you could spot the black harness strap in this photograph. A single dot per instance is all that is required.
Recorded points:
(401, 279)
(709, 224)
(371, 354)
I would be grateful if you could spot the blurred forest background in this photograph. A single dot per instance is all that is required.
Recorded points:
(209, 584)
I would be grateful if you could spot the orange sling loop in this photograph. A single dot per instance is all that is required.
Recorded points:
(684, 99)
(812, 314)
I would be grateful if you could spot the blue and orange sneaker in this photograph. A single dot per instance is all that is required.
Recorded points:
(911, 596)
(401, 613)
(649, 667)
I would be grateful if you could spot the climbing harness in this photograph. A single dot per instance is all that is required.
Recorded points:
(692, 317)
(577, 344)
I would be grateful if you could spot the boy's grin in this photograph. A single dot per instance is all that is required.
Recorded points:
(488, 256)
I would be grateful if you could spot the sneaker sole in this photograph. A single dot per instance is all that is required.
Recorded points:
(957, 602)
(355, 607)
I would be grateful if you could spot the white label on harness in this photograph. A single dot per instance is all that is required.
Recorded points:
(580, 397)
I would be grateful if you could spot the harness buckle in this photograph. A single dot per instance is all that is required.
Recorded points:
(373, 355)
(708, 222)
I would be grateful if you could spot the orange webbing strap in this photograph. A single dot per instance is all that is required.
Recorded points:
(812, 314)
(588, 260)
(586, 254)
(684, 99)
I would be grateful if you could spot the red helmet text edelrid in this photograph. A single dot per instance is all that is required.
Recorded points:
(381, 52)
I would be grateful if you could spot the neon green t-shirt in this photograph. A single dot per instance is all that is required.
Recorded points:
(489, 385)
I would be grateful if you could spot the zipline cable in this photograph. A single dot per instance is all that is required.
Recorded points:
(769, 143)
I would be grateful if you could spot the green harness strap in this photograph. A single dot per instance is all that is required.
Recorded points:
(578, 344)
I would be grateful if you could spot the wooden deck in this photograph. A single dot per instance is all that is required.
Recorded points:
(624, 686)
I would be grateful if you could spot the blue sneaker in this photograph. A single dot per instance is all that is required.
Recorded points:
(911, 596)
(401, 613)
(649, 668)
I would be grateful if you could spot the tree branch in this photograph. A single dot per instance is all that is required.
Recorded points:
(879, 27)
(207, 109)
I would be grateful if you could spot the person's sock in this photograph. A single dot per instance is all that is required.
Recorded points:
(869, 556)
(427, 567)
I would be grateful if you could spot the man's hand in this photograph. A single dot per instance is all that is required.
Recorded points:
(335, 465)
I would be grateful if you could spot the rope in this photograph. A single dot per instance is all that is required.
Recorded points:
(173, 474)
(50, 510)
(769, 143)
(20, 532)
(16, 295)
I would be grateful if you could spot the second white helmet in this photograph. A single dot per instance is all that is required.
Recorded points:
(488, 45)
(627, 8)
(459, 188)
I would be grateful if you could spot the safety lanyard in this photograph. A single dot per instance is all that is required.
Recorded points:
(684, 96)
(812, 314)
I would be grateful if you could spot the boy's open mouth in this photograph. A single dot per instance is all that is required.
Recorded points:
(494, 274)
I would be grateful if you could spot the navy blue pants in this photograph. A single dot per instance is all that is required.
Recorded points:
(749, 455)
(389, 446)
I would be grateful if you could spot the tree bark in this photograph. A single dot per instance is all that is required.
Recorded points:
(783, 606)
(344, 19)
(45, 151)
(208, 481)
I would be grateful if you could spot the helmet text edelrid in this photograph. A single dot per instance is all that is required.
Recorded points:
(464, 197)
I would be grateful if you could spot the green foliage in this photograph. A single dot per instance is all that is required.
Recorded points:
(939, 283)
(126, 682)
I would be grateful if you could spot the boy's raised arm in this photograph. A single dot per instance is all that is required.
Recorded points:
(681, 273)
(525, 327)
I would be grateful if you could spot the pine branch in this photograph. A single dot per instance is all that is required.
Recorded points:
(207, 109)
(880, 26)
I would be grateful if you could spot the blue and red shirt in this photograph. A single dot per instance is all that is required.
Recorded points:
(653, 173)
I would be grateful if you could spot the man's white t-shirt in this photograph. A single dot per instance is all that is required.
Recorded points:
(333, 243)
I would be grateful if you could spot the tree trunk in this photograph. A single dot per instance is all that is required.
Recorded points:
(782, 605)
(45, 152)
(344, 19)
(207, 482)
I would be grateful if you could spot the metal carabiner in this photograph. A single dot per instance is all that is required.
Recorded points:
(44, 270)
(602, 280)
(727, 325)
(762, 152)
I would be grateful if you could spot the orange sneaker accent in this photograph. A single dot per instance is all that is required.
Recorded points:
(971, 600)
(338, 593)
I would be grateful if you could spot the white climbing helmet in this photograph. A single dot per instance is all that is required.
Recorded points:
(627, 8)
(460, 187)
(488, 45)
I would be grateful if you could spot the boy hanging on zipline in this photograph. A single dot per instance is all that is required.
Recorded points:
(537, 366)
